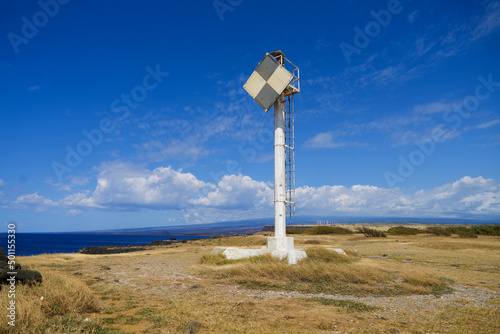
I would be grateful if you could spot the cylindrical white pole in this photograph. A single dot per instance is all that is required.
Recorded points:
(279, 168)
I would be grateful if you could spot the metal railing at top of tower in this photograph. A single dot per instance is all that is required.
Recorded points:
(294, 86)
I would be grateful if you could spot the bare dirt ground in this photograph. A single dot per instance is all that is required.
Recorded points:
(165, 289)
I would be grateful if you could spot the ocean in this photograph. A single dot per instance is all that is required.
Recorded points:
(40, 243)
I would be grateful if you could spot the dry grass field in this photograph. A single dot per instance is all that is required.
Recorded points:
(399, 284)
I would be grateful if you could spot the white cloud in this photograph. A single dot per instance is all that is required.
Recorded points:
(79, 200)
(40, 203)
(322, 140)
(403, 129)
(238, 192)
(328, 140)
(465, 198)
(435, 107)
(321, 44)
(188, 148)
(33, 199)
(74, 212)
(79, 180)
(198, 137)
(2, 182)
(127, 187)
(446, 134)
(384, 76)
(75, 181)
(421, 47)
(413, 16)
(484, 125)
(420, 54)
(32, 88)
(462, 35)
(489, 22)
(261, 157)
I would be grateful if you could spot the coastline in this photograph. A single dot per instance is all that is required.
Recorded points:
(28, 244)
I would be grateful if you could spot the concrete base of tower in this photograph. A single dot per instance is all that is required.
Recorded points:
(233, 253)
(279, 244)
(277, 247)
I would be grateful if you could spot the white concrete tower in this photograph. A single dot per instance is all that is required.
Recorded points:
(279, 242)
(279, 168)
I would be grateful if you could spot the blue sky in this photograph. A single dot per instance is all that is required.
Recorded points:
(119, 114)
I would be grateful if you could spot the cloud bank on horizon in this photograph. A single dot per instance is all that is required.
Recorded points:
(126, 187)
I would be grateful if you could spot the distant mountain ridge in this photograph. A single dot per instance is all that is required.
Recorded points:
(256, 225)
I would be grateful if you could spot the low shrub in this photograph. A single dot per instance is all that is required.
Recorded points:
(466, 234)
(403, 230)
(486, 229)
(370, 232)
(457, 229)
(437, 230)
(468, 231)
(329, 230)
(296, 230)
(317, 230)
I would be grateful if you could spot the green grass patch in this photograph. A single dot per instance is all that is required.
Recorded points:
(70, 324)
(346, 305)
(152, 315)
(122, 319)
(130, 303)
(441, 289)
(110, 309)
(146, 312)
(447, 280)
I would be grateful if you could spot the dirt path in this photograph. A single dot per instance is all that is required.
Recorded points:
(461, 295)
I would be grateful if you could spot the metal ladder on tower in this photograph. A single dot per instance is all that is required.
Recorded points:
(290, 155)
